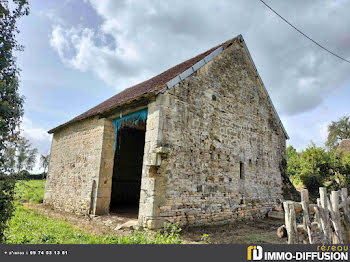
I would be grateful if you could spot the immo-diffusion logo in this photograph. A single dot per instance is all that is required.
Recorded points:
(255, 253)
(329, 253)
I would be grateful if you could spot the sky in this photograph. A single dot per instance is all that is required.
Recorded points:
(79, 53)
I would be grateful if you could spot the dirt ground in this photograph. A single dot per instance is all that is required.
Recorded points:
(98, 225)
(242, 232)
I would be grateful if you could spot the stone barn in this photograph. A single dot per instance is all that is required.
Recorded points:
(198, 144)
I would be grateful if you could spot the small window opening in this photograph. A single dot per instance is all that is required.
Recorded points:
(241, 170)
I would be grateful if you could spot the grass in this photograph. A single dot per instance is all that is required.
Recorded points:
(28, 226)
(31, 226)
(31, 191)
(259, 238)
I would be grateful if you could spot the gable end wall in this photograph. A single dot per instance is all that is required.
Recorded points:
(212, 121)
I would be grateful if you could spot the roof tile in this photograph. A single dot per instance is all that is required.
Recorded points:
(146, 87)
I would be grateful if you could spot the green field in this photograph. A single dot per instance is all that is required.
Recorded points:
(30, 227)
(31, 191)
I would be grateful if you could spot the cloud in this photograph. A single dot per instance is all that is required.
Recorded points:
(58, 41)
(88, 51)
(39, 139)
(324, 131)
(33, 133)
(138, 39)
(52, 15)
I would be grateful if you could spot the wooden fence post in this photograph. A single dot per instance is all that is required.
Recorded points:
(318, 219)
(290, 221)
(305, 196)
(306, 220)
(307, 225)
(333, 224)
(325, 214)
(333, 207)
(346, 219)
(344, 198)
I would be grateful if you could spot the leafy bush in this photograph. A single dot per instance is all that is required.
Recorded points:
(312, 183)
(11, 103)
(314, 167)
(7, 186)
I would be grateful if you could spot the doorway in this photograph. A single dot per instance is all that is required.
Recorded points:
(127, 170)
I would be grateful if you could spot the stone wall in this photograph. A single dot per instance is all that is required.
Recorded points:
(80, 169)
(151, 184)
(211, 122)
(199, 135)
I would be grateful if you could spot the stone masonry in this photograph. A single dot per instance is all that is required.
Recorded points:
(80, 167)
(211, 123)
(213, 151)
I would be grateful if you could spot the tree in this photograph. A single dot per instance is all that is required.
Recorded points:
(26, 156)
(44, 162)
(337, 131)
(293, 165)
(11, 103)
(315, 166)
(20, 155)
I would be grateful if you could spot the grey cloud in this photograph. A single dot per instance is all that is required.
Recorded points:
(151, 36)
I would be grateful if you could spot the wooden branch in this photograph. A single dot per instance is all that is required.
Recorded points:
(332, 224)
(318, 219)
(314, 226)
(306, 221)
(298, 208)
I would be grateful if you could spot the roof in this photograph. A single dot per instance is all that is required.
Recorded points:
(155, 83)
(162, 81)
(344, 145)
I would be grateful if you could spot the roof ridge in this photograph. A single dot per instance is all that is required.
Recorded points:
(167, 79)
(146, 87)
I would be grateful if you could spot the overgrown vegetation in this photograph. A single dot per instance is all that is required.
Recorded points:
(337, 131)
(6, 203)
(31, 191)
(315, 166)
(30, 227)
(11, 103)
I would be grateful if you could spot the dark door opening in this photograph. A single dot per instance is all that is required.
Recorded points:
(127, 170)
